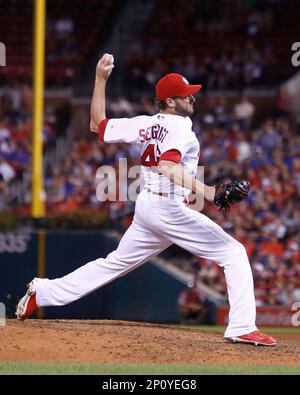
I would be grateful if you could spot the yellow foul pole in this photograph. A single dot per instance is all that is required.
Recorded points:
(38, 206)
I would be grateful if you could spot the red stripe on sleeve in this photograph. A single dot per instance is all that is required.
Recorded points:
(173, 155)
(101, 128)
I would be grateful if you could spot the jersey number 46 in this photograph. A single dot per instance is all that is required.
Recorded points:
(150, 156)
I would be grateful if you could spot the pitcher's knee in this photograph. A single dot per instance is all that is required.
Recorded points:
(239, 249)
(236, 255)
(116, 262)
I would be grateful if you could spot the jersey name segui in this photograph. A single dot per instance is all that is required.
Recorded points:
(162, 137)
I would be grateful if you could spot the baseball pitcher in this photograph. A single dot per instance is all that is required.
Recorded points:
(169, 159)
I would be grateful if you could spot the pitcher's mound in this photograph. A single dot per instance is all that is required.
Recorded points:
(132, 342)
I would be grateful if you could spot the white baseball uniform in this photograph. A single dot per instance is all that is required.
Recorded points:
(161, 220)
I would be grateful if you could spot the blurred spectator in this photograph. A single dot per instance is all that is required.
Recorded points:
(193, 306)
(243, 147)
(7, 172)
(284, 102)
(244, 112)
(64, 27)
(122, 108)
(4, 131)
(212, 275)
(222, 113)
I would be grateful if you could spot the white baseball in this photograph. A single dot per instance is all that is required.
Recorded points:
(110, 59)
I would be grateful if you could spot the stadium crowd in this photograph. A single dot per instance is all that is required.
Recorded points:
(268, 222)
(226, 47)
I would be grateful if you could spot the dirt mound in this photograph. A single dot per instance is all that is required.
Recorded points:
(132, 342)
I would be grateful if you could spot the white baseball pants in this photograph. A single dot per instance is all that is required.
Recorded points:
(158, 223)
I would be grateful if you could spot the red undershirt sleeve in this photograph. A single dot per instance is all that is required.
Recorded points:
(101, 128)
(173, 155)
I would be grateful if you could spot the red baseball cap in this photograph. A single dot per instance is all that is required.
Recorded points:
(172, 85)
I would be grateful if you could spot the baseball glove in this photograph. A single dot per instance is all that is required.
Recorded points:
(230, 193)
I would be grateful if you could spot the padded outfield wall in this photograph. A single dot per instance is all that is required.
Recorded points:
(146, 294)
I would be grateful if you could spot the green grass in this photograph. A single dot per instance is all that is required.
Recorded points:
(43, 368)
(221, 329)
